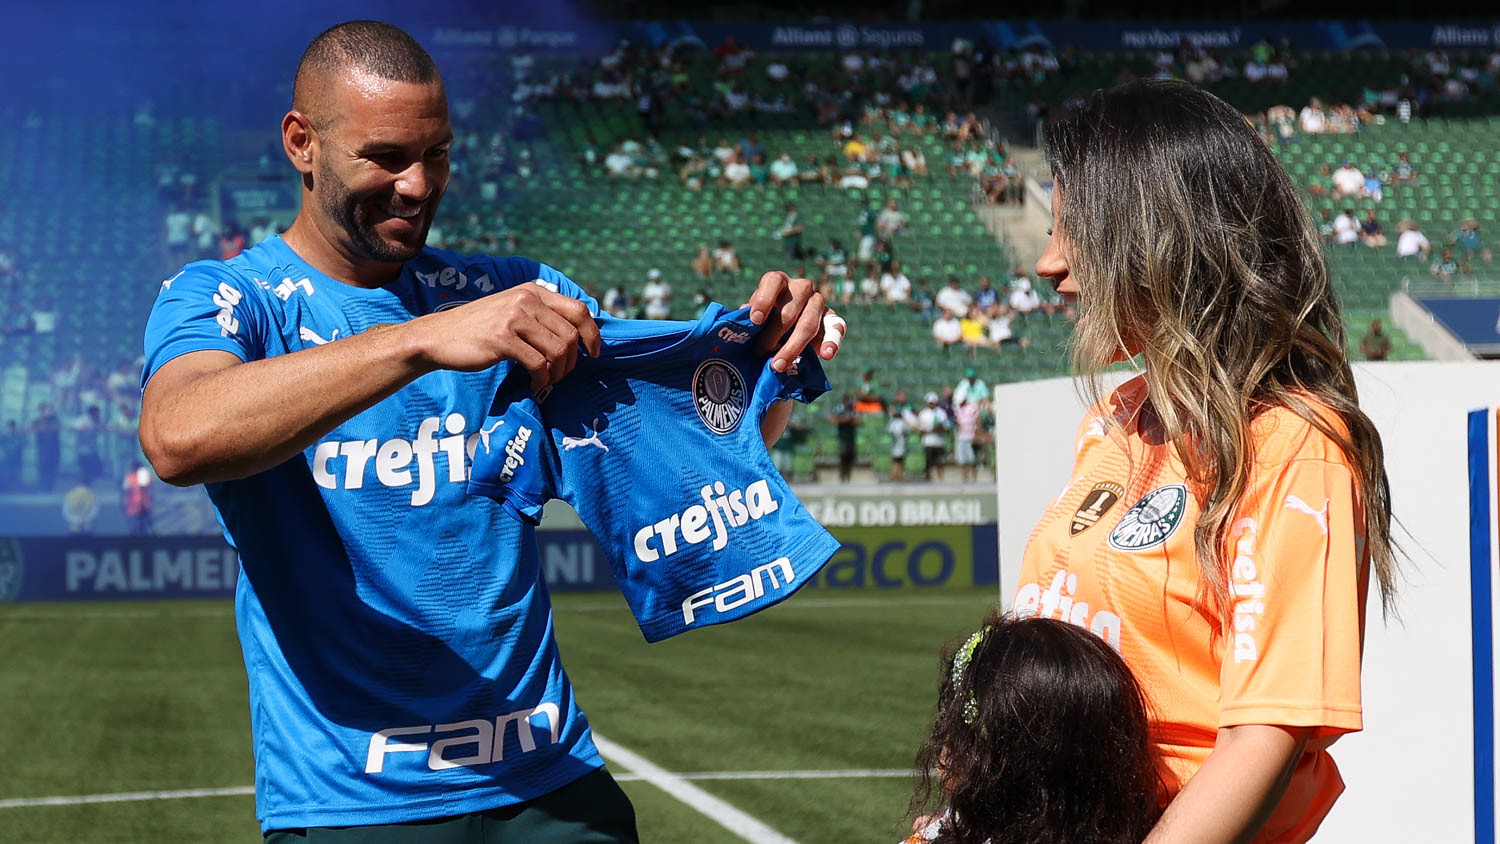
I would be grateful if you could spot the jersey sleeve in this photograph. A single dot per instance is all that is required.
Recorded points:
(804, 381)
(1298, 577)
(205, 306)
(514, 460)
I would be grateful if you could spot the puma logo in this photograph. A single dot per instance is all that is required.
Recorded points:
(484, 434)
(570, 443)
(1295, 503)
(310, 336)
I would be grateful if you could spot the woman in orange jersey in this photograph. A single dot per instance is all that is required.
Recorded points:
(1228, 505)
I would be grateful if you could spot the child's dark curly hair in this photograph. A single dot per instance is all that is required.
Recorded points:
(1041, 735)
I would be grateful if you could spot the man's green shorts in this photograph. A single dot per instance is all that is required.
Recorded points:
(590, 810)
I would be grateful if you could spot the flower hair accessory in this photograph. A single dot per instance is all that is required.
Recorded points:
(961, 661)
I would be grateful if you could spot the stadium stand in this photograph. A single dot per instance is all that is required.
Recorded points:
(535, 134)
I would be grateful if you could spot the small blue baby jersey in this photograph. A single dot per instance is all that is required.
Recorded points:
(657, 445)
(396, 631)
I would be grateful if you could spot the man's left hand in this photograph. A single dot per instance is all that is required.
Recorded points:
(795, 318)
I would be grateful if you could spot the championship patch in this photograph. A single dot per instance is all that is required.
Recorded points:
(1098, 502)
(1152, 520)
(719, 395)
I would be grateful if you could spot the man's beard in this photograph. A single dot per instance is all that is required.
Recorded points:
(352, 214)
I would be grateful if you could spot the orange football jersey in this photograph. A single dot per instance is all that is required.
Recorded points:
(1114, 554)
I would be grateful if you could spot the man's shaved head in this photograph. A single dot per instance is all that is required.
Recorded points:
(372, 47)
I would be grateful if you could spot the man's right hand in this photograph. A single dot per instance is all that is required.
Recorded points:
(529, 324)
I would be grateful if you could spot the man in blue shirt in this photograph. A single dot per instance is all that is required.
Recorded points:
(328, 387)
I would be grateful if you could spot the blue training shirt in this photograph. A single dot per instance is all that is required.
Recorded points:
(657, 445)
(396, 631)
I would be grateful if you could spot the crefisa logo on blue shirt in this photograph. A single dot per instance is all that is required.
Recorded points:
(719, 395)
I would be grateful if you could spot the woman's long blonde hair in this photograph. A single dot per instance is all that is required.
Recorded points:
(1192, 244)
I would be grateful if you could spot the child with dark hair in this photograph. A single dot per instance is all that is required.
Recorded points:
(1041, 736)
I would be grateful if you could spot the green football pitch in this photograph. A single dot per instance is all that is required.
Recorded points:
(806, 718)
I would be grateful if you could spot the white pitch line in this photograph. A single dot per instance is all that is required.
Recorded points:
(37, 614)
(853, 773)
(247, 790)
(711, 807)
(126, 797)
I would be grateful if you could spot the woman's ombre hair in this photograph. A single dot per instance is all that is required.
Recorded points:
(1192, 247)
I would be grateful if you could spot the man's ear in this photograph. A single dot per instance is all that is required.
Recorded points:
(298, 140)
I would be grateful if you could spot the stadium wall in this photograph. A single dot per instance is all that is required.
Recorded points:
(1424, 330)
(1409, 775)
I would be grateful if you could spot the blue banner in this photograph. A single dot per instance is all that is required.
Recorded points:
(92, 568)
(599, 36)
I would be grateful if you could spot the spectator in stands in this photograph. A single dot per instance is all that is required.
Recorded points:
(1410, 242)
(43, 316)
(900, 422)
(205, 233)
(865, 224)
(835, 262)
(701, 301)
(619, 164)
(1312, 118)
(885, 255)
(1376, 344)
(734, 57)
(179, 227)
(1023, 297)
(1348, 181)
(723, 152)
(12, 442)
(986, 297)
(966, 428)
(890, 220)
(1370, 231)
(915, 162)
(957, 161)
(783, 170)
(790, 233)
(1001, 330)
(45, 428)
(617, 302)
(867, 396)
(760, 174)
(726, 260)
(1445, 267)
(1345, 228)
(231, 241)
(703, 262)
(88, 431)
(811, 172)
(137, 499)
(953, 298)
(869, 285)
(895, 287)
(1325, 226)
(972, 330)
(922, 300)
(1467, 240)
(736, 173)
(933, 423)
(946, 330)
(656, 296)
(694, 173)
(846, 420)
(971, 388)
(1403, 173)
